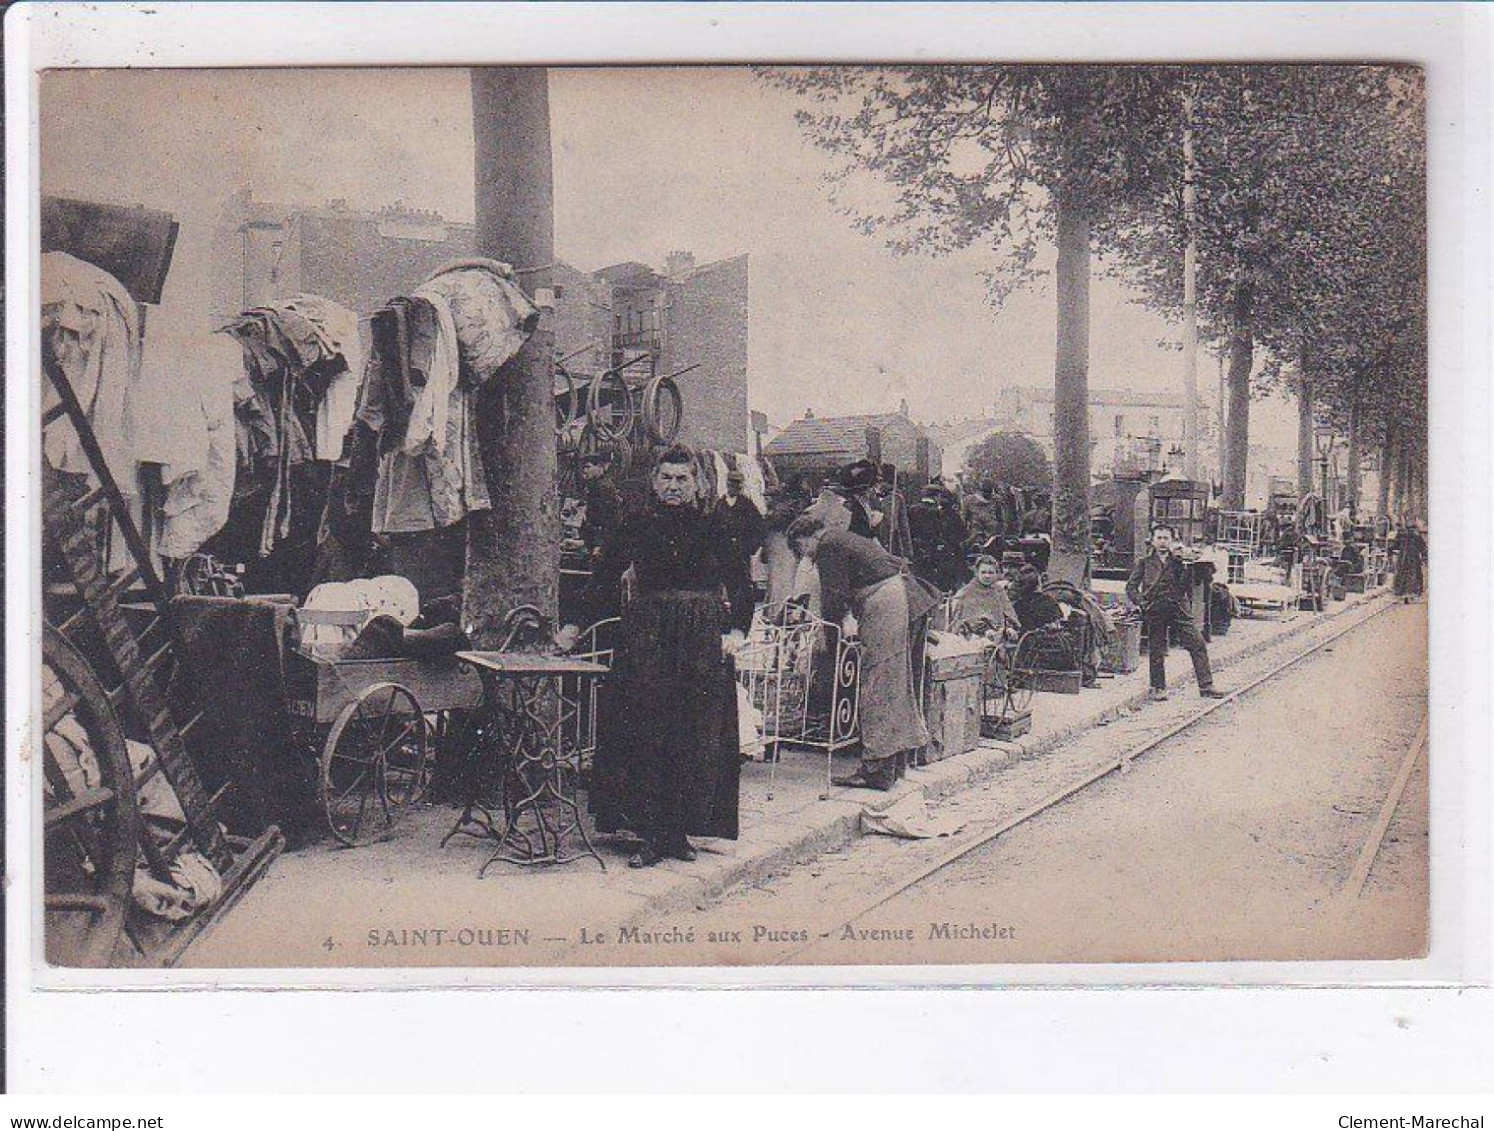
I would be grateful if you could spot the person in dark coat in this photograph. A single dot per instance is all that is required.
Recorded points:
(1159, 585)
(1033, 607)
(853, 483)
(1410, 562)
(667, 766)
(739, 520)
(602, 499)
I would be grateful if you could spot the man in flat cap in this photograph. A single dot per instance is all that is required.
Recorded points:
(739, 521)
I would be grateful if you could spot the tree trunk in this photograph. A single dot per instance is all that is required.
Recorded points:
(513, 551)
(1241, 360)
(1387, 455)
(1351, 474)
(1403, 478)
(1071, 534)
(1221, 401)
(1418, 485)
(1190, 302)
(1304, 433)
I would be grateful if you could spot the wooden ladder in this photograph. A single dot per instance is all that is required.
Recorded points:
(142, 658)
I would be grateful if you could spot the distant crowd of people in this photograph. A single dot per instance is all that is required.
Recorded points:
(668, 757)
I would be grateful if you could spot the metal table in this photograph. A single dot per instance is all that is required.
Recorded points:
(532, 722)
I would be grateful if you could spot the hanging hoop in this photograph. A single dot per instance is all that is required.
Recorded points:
(610, 404)
(568, 407)
(663, 410)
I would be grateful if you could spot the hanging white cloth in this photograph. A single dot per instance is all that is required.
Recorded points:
(719, 461)
(431, 414)
(752, 481)
(92, 327)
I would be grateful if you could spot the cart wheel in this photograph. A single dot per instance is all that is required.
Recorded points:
(92, 828)
(1018, 691)
(610, 405)
(663, 410)
(373, 763)
(567, 405)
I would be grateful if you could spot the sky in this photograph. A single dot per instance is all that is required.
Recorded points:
(647, 160)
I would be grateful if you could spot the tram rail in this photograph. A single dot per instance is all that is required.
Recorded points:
(1120, 764)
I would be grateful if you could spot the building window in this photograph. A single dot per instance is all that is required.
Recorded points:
(1120, 420)
(1156, 425)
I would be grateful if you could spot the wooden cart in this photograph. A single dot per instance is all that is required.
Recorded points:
(372, 725)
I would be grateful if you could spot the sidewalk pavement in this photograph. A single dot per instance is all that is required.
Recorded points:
(326, 902)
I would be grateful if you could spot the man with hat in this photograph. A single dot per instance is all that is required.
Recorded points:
(938, 539)
(602, 499)
(739, 521)
(854, 481)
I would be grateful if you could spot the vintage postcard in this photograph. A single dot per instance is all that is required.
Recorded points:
(733, 516)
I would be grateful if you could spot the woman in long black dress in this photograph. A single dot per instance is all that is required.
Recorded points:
(668, 758)
(1411, 559)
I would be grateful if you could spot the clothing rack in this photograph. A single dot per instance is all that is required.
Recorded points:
(142, 658)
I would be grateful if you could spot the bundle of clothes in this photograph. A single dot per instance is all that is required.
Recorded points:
(91, 333)
(292, 407)
(91, 328)
(415, 458)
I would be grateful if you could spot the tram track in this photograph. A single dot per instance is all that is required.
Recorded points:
(1354, 886)
(1120, 765)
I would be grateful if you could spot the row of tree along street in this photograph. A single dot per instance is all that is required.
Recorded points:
(1275, 210)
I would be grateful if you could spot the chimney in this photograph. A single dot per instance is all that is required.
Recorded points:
(678, 263)
(902, 407)
(809, 414)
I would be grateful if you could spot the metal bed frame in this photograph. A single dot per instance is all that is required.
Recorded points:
(779, 666)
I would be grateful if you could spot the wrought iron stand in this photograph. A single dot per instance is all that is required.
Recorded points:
(533, 723)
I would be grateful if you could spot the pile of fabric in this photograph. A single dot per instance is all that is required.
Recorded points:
(91, 328)
(189, 881)
(433, 350)
(302, 360)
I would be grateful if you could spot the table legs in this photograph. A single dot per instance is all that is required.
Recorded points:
(542, 823)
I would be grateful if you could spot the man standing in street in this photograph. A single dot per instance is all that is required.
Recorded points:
(602, 499)
(1159, 586)
(739, 521)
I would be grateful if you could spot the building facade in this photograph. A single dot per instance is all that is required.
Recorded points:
(685, 316)
(1130, 431)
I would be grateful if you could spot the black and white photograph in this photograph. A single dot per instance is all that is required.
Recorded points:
(733, 516)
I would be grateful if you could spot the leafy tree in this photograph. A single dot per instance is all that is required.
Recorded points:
(1010, 157)
(1308, 223)
(1009, 458)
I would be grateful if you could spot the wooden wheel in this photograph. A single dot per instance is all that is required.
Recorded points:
(568, 408)
(609, 406)
(373, 763)
(663, 410)
(92, 827)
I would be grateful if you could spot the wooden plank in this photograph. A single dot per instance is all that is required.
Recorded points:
(82, 803)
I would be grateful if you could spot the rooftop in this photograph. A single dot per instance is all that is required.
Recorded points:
(829, 435)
